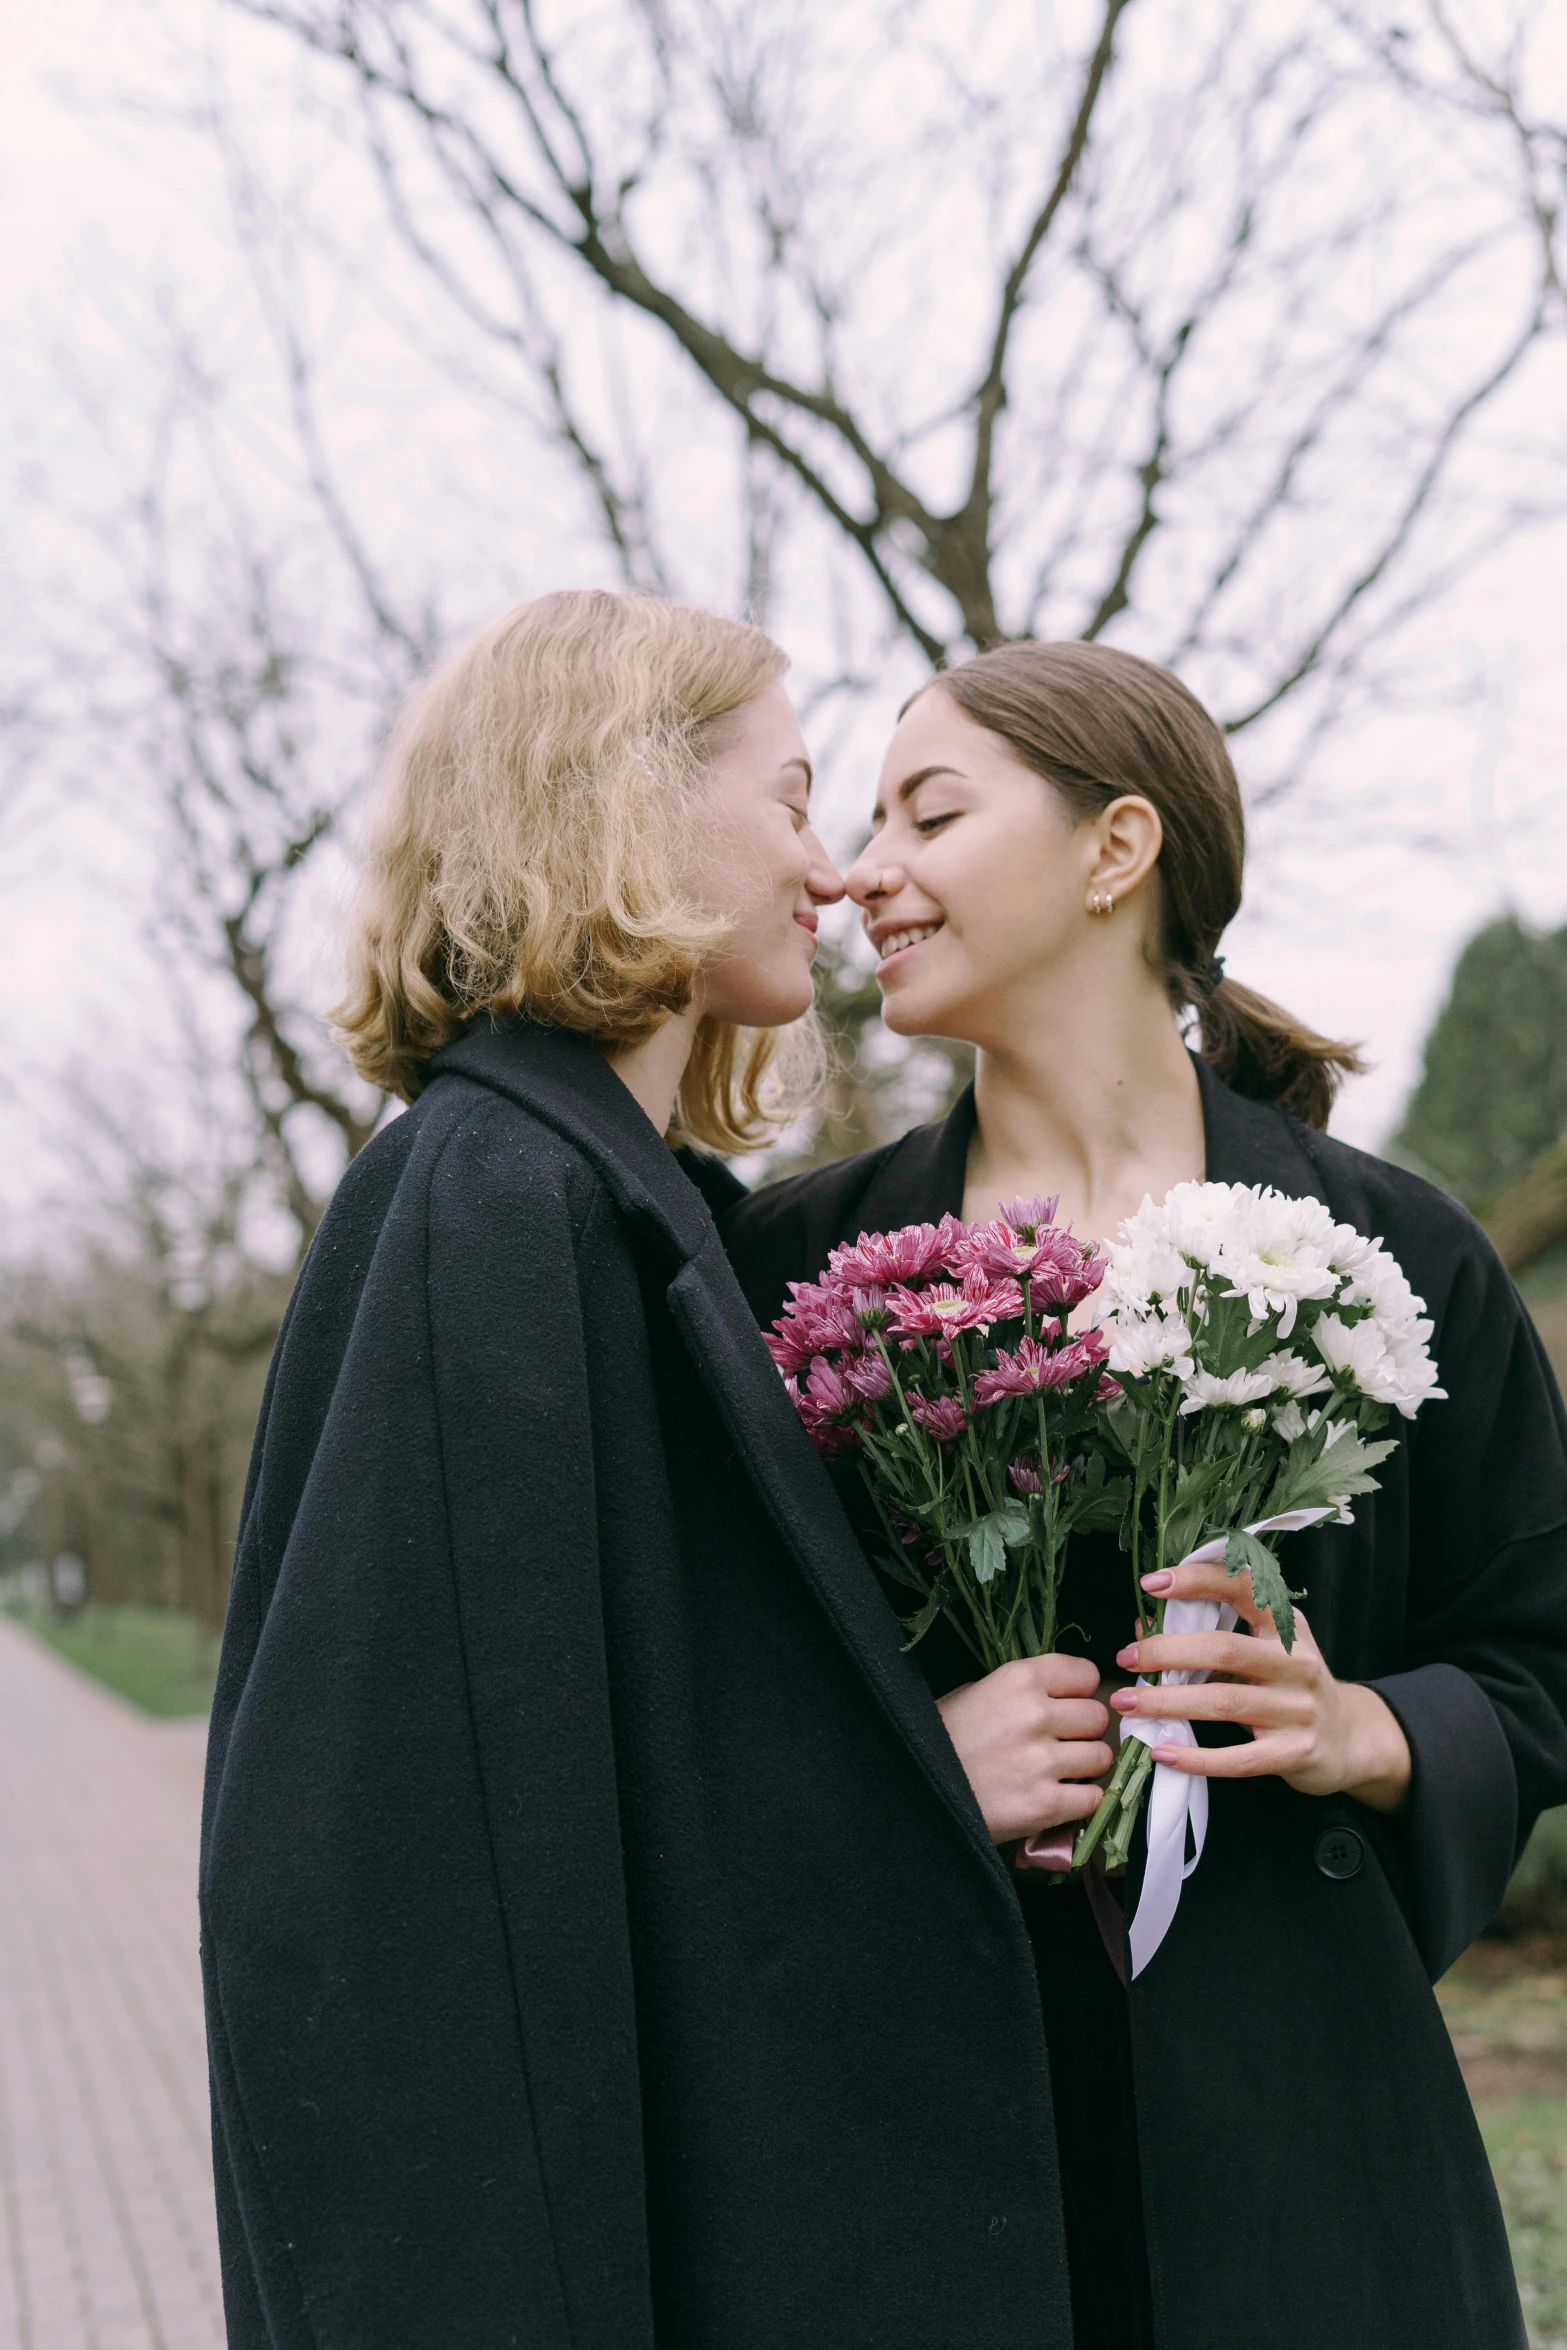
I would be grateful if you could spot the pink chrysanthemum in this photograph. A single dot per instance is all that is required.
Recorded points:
(941, 1416)
(1023, 1476)
(942, 1310)
(882, 1260)
(1027, 1216)
(821, 1317)
(827, 1392)
(1035, 1369)
(868, 1376)
(828, 1406)
(1067, 1276)
(787, 1345)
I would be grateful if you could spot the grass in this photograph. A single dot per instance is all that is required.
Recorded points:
(1527, 2143)
(1509, 1999)
(161, 1660)
(1506, 2007)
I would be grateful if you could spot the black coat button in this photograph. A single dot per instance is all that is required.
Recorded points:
(1339, 1853)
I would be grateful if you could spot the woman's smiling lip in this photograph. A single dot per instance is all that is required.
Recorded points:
(894, 940)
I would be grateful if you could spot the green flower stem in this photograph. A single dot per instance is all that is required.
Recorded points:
(1093, 1829)
(1118, 1844)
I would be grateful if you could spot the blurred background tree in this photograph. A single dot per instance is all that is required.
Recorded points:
(1492, 1093)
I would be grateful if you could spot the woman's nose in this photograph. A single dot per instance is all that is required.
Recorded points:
(822, 877)
(871, 878)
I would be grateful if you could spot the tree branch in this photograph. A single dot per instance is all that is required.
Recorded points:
(971, 523)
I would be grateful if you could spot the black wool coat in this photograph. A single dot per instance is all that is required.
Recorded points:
(1312, 2176)
(602, 1946)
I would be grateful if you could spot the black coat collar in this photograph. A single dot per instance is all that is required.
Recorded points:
(564, 1079)
(923, 1177)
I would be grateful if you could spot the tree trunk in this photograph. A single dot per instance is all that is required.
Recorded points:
(1530, 1216)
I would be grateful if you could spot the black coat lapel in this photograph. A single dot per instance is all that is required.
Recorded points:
(563, 1079)
(922, 1180)
(1251, 1142)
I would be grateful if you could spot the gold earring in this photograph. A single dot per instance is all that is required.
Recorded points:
(1100, 901)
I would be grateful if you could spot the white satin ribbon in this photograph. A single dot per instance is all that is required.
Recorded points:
(1176, 1800)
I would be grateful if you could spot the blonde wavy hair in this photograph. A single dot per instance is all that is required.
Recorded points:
(533, 849)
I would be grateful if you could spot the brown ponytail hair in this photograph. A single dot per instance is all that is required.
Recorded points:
(1097, 723)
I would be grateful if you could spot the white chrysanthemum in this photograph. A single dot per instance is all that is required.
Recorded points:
(1282, 1257)
(1205, 1389)
(1143, 1344)
(1141, 1273)
(1294, 1374)
(1349, 1249)
(1290, 1421)
(1400, 1374)
(1207, 1221)
(1413, 1365)
(1380, 1284)
(1356, 1350)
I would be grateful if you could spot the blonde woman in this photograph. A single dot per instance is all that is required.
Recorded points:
(603, 1946)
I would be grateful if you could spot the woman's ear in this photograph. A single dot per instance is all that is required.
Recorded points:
(1130, 837)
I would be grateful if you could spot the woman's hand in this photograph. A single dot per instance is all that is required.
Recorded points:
(1028, 1736)
(1322, 1736)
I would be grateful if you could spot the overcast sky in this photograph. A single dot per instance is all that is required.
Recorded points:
(98, 212)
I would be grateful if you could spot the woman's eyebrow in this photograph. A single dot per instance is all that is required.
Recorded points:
(911, 783)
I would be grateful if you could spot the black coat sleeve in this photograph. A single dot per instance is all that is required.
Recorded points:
(1482, 1687)
(426, 2110)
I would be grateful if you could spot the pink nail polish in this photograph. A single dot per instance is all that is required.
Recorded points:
(1127, 1656)
(1124, 1701)
(1159, 1582)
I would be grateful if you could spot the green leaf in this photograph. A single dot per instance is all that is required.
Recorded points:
(897, 1567)
(1126, 1425)
(991, 1537)
(1310, 1479)
(1099, 1512)
(918, 1625)
(1268, 1587)
(1186, 1520)
(987, 1552)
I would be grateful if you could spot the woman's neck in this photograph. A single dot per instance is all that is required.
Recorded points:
(652, 1070)
(1098, 1103)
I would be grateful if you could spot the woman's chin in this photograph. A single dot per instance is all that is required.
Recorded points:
(909, 1011)
(769, 1007)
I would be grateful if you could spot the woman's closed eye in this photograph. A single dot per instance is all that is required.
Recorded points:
(930, 824)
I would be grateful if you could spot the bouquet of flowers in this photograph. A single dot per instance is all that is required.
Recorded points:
(941, 1356)
(1256, 1344)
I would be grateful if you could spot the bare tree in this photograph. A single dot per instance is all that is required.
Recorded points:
(228, 691)
(1181, 335)
(131, 1364)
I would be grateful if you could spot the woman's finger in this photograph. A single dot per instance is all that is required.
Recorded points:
(1275, 1755)
(1075, 1717)
(1081, 1758)
(1207, 1652)
(1198, 1579)
(1218, 1701)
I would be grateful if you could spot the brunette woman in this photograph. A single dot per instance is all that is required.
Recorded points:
(603, 1946)
(1269, 2146)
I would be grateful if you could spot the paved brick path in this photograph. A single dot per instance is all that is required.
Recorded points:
(106, 2229)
